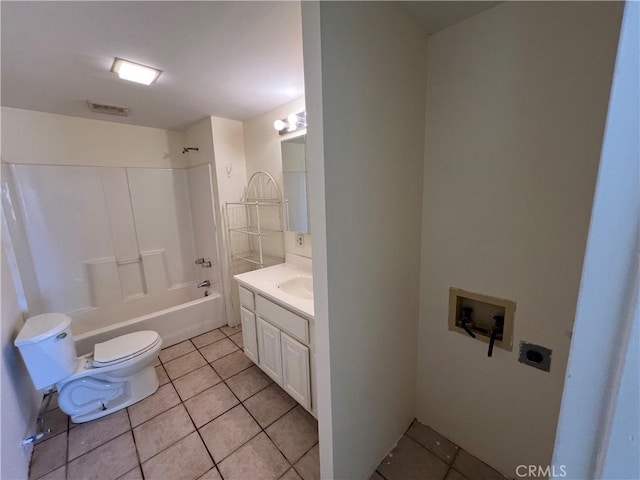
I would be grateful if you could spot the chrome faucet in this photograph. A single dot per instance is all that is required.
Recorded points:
(205, 284)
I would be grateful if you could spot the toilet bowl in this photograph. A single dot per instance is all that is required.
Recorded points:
(118, 373)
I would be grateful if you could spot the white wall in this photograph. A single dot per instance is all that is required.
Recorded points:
(230, 163)
(263, 152)
(516, 106)
(312, 49)
(204, 225)
(46, 138)
(372, 73)
(200, 136)
(18, 397)
(262, 142)
(599, 426)
(221, 143)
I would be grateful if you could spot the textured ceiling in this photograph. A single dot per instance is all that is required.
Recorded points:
(228, 59)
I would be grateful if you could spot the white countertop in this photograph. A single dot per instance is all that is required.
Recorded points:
(265, 282)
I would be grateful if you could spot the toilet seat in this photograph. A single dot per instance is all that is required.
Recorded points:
(124, 348)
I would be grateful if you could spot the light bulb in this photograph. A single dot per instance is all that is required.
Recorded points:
(279, 125)
(292, 118)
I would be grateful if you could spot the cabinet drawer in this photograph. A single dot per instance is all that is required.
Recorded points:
(246, 298)
(283, 318)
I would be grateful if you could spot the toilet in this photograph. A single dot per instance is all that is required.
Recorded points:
(118, 373)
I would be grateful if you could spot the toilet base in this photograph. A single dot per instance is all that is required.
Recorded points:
(89, 398)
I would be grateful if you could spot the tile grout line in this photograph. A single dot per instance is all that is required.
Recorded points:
(131, 427)
(458, 448)
(171, 381)
(303, 455)
(262, 430)
(450, 466)
(97, 447)
(68, 429)
(215, 464)
(207, 363)
(41, 443)
(378, 472)
(179, 356)
(223, 381)
(135, 444)
(182, 403)
(197, 430)
(68, 432)
(196, 348)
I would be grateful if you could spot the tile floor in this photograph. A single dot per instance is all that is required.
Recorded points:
(218, 416)
(215, 416)
(424, 454)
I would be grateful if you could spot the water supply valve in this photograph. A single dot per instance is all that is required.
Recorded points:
(482, 317)
(496, 332)
(203, 263)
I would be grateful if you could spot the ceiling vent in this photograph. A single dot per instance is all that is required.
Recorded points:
(108, 109)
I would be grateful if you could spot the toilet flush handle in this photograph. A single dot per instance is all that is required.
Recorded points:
(62, 335)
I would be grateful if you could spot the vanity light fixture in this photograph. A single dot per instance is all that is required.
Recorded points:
(135, 72)
(293, 122)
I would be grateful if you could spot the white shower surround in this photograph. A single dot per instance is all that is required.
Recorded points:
(114, 248)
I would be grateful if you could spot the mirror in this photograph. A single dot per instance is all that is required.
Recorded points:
(294, 182)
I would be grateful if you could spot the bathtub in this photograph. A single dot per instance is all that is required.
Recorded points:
(174, 324)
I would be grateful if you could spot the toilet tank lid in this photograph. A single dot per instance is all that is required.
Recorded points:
(41, 327)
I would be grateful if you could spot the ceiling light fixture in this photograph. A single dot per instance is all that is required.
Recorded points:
(135, 72)
(293, 122)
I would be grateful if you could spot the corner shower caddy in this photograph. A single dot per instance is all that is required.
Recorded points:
(255, 226)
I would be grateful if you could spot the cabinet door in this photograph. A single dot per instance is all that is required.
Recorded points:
(295, 370)
(249, 339)
(270, 352)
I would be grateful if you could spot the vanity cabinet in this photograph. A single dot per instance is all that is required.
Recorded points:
(295, 370)
(249, 334)
(269, 350)
(273, 339)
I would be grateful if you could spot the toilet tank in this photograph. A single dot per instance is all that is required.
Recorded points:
(48, 349)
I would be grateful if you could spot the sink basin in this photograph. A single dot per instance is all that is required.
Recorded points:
(300, 286)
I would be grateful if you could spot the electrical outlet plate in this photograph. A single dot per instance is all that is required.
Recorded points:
(299, 240)
(535, 356)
